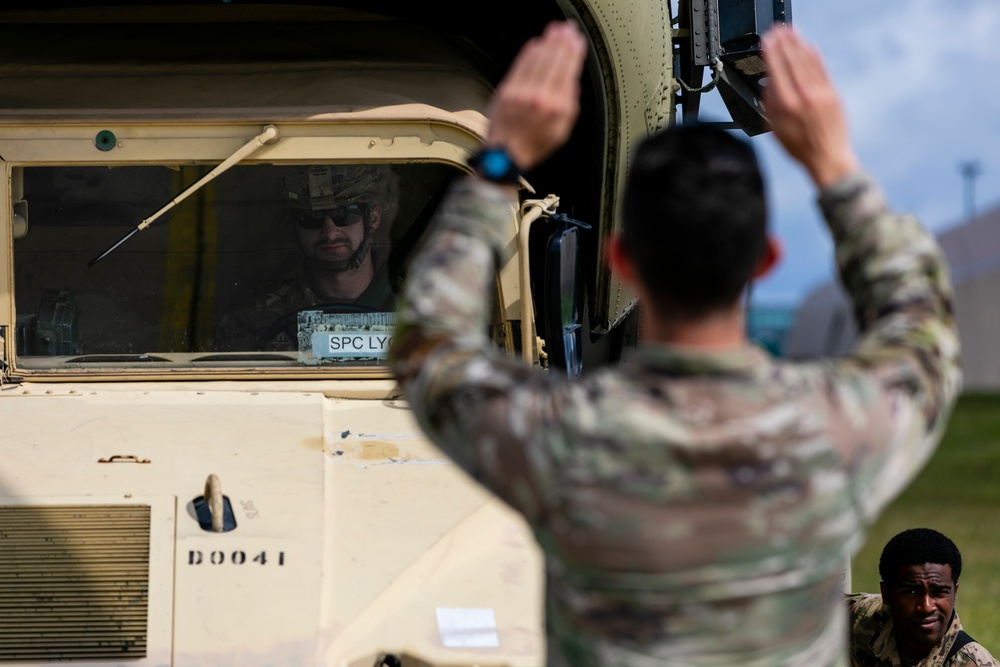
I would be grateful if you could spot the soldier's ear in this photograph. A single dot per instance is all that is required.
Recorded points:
(618, 259)
(769, 258)
(376, 215)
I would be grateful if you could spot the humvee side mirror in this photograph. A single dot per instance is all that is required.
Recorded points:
(725, 35)
(563, 302)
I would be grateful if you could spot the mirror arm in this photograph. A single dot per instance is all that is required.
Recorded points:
(531, 210)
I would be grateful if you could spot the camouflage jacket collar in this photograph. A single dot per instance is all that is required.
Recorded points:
(748, 360)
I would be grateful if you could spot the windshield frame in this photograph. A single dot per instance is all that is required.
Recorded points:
(391, 141)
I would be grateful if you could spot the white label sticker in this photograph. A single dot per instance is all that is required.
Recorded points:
(340, 344)
(467, 627)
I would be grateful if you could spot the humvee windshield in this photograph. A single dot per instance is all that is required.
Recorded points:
(267, 265)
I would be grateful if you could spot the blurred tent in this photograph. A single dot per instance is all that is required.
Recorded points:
(824, 324)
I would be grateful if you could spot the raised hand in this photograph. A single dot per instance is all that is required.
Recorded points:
(537, 102)
(804, 109)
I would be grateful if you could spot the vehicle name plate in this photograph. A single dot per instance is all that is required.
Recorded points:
(331, 337)
(351, 344)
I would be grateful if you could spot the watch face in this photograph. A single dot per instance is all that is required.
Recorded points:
(496, 164)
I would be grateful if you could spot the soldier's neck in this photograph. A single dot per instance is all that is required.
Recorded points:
(340, 284)
(719, 330)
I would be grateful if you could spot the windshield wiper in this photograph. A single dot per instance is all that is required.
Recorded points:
(268, 136)
(244, 357)
(116, 359)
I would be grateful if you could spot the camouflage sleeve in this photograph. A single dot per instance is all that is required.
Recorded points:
(866, 624)
(467, 396)
(897, 279)
(973, 655)
(452, 280)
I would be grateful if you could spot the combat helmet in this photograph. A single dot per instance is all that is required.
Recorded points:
(322, 187)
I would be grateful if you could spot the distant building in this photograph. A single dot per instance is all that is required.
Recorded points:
(824, 325)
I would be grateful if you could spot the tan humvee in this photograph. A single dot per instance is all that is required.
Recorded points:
(171, 495)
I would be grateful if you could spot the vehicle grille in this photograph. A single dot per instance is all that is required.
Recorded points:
(74, 582)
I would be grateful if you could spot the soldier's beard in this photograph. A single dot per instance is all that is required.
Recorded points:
(356, 259)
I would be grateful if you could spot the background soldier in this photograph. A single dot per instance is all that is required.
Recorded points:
(914, 621)
(695, 505)
(333, 212)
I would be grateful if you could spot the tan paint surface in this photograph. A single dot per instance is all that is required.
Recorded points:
(373, 538)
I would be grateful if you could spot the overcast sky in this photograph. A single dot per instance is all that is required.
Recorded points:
(921, 84)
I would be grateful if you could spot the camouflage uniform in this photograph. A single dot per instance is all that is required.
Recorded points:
(244, 323)
(694, 507)
(874, 645)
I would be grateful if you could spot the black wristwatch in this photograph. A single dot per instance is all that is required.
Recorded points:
(494, 164)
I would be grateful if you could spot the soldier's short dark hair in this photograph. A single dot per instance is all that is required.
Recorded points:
(917, 546)
(694, 218)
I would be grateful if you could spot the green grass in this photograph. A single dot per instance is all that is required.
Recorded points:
(958, 494)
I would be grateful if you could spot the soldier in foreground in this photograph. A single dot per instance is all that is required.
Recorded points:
(695, 505)
(914, 621)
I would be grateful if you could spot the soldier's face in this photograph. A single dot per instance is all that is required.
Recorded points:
(921, 602)
(338, 234)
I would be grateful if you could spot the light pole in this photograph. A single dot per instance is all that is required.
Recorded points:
(970, 170)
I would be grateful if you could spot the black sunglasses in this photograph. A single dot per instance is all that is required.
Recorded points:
(341, 216)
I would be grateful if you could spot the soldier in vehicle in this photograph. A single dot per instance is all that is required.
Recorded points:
(914, 621)
(333, 212)
(695, 504)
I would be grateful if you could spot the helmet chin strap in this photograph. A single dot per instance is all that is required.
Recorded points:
(355, 260)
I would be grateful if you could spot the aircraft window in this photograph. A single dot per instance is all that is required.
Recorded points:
(266, 265)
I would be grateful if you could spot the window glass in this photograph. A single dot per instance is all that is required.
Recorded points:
(266, 265)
